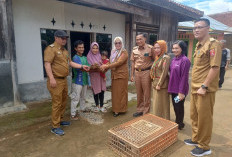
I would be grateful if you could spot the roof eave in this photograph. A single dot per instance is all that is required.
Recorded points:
(186, 13)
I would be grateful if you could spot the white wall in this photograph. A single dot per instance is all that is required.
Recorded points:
(31, 15)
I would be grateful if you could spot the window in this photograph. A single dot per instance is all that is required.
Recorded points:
(105, 42)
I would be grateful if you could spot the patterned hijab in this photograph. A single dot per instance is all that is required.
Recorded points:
(163, 49)
(94, 58)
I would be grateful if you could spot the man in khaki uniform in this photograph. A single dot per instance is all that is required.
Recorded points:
(56, 60)
(141, 61)
(205, 76)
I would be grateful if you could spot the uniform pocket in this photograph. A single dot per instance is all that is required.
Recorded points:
(202, 59)
(136, 56)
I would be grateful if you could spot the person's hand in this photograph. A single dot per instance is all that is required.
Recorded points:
(103, 67)
(201, 91)
(226, 67)
(132, 78)
(52, 82)
(181, 96)
(157, 87)
(86, 68)
(97, 65)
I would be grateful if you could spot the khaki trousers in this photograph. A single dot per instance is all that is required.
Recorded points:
(143, 89)
(201, 114)
(78, 95)
(59, 96)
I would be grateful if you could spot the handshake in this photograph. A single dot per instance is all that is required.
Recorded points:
(97, 67)
(85, 68)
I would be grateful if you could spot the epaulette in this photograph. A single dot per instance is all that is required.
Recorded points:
(135, 47)
(150, 46)
(52, 45)
(165, 56)
(212, 39)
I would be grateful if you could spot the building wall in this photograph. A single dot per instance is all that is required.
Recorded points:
(8, 87)
(168, 26)
(30, 16)
(188, 36)
(228, 38)
(224, 18)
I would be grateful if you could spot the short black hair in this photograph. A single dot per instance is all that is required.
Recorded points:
(104, 53)
(78, 42)
(143, 34)
(182, 45)
(203, 19)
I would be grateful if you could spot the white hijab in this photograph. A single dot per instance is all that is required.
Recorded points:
(116, 53)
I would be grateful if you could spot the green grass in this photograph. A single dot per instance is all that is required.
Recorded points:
(132, 103)
(36, 113)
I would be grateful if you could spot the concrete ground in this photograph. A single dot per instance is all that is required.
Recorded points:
(85, 139)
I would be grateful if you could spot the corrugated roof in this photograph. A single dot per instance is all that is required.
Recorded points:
(214, 24)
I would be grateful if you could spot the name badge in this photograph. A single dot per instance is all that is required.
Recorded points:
(146, 54)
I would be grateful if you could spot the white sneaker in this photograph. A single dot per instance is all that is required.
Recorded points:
(96, 109)
(102, 109)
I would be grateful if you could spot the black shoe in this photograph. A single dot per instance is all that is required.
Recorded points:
(115, 114)
(137, 114)
(200, 152)
(190, 142)
(181, 126)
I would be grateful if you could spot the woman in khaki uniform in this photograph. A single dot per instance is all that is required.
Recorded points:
(119, 75)
(160, 79)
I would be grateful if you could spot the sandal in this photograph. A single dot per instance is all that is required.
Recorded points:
(115, 114)
(74, 117)
(96, 109)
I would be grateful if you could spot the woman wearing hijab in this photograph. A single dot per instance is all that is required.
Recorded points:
(119, 75)
(97, 82)
(160, 79)
(178, 83)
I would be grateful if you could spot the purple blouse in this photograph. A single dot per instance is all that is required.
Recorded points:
(179, 75)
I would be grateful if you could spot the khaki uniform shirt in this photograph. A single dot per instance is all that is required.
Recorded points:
(58, 57)
(142, 57)
(206, 55)
(161, 72)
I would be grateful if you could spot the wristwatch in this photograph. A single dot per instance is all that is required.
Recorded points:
(204, 87)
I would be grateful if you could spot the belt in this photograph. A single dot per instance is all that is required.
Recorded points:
(60, 78)
(143, 69)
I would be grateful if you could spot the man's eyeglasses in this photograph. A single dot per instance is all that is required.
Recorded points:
(199, 27)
